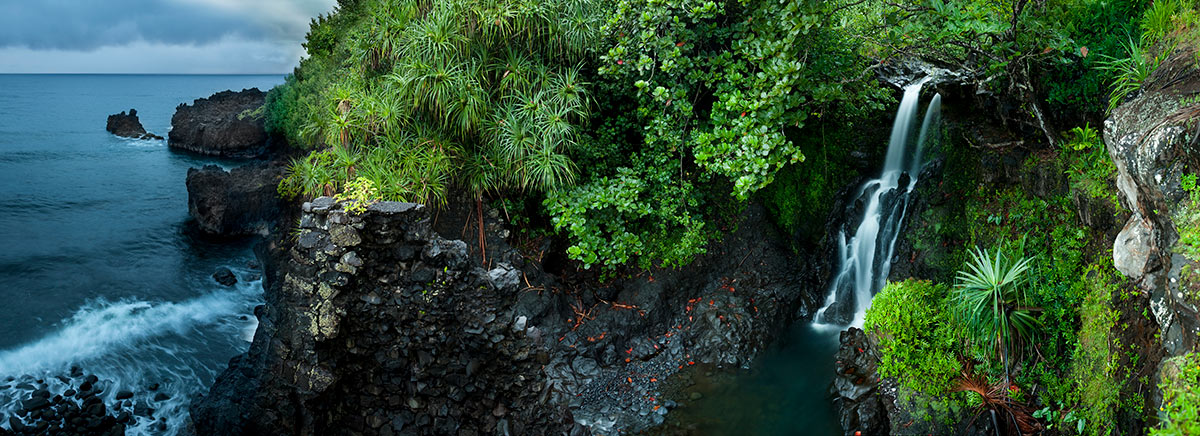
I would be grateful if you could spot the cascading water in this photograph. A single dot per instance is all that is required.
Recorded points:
(865, 258)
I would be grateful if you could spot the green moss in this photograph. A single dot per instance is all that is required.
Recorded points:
(1187, 219)
(255, 114)
(943, 229)
(801, 197)
(1098, 381)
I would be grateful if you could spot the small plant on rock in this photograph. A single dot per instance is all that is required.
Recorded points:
(359, 194)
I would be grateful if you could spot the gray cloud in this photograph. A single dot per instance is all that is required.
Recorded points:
(83, 29)
(90, 24)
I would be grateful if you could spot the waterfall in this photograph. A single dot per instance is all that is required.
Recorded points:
(865, 257)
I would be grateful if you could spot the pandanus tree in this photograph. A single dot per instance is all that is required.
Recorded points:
(990, 301)
(493, 86)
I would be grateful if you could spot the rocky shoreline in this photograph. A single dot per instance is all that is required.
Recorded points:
(79, 403)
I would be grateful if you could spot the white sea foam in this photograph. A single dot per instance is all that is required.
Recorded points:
(131, 344)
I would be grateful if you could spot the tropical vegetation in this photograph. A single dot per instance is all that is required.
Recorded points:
(636, 132)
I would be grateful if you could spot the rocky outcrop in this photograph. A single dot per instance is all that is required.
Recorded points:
(376, 324)
(856, 389)
(243, 201)
(128, 126)
(227, 124)
(1154, 143)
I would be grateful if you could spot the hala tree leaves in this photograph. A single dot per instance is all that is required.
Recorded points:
(482, 94)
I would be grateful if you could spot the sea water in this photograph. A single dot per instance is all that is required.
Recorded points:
(99, 267)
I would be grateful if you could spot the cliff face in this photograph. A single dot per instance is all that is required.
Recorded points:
(1154, 142)
(376, 325)
(242, 201)
(227, 124)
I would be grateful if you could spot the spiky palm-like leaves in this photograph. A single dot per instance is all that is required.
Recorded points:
(1128, 72)
(989, 299)
(485, 90)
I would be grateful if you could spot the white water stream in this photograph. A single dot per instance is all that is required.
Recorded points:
(865, 257)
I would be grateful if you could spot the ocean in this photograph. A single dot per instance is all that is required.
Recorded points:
(99, 265)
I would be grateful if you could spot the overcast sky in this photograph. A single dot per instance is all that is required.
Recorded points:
(154, 36)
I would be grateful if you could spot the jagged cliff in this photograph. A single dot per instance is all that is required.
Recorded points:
(376, 325)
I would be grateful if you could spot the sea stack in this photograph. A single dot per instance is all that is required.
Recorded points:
(128, 126)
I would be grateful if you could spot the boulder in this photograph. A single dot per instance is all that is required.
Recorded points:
(1149, 139)
(227, 124)
(243, 201)
(127, 125)
(225, 277)
(856, 388)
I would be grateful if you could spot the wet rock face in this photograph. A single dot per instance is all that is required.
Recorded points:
(376, 325)
(243, 201)
(128, 126)
(1153, 148)
(227, 124)
(856, 390)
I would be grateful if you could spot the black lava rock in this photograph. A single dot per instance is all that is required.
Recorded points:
(227, 124)
(223, 276)
(128, 126)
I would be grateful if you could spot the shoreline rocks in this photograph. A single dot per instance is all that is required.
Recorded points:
(127, 125)
(76, 403)
(227, 124)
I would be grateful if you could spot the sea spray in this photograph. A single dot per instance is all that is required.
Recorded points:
(132, 345)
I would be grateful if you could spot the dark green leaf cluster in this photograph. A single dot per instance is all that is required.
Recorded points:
(707, 100)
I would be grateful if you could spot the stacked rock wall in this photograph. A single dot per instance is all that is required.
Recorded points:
(382, 327)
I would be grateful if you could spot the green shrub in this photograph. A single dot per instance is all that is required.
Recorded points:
(1180, 411)
(919, 342)
(359, 194)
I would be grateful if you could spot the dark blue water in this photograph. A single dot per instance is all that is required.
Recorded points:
(784, 392)
(97, 265)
